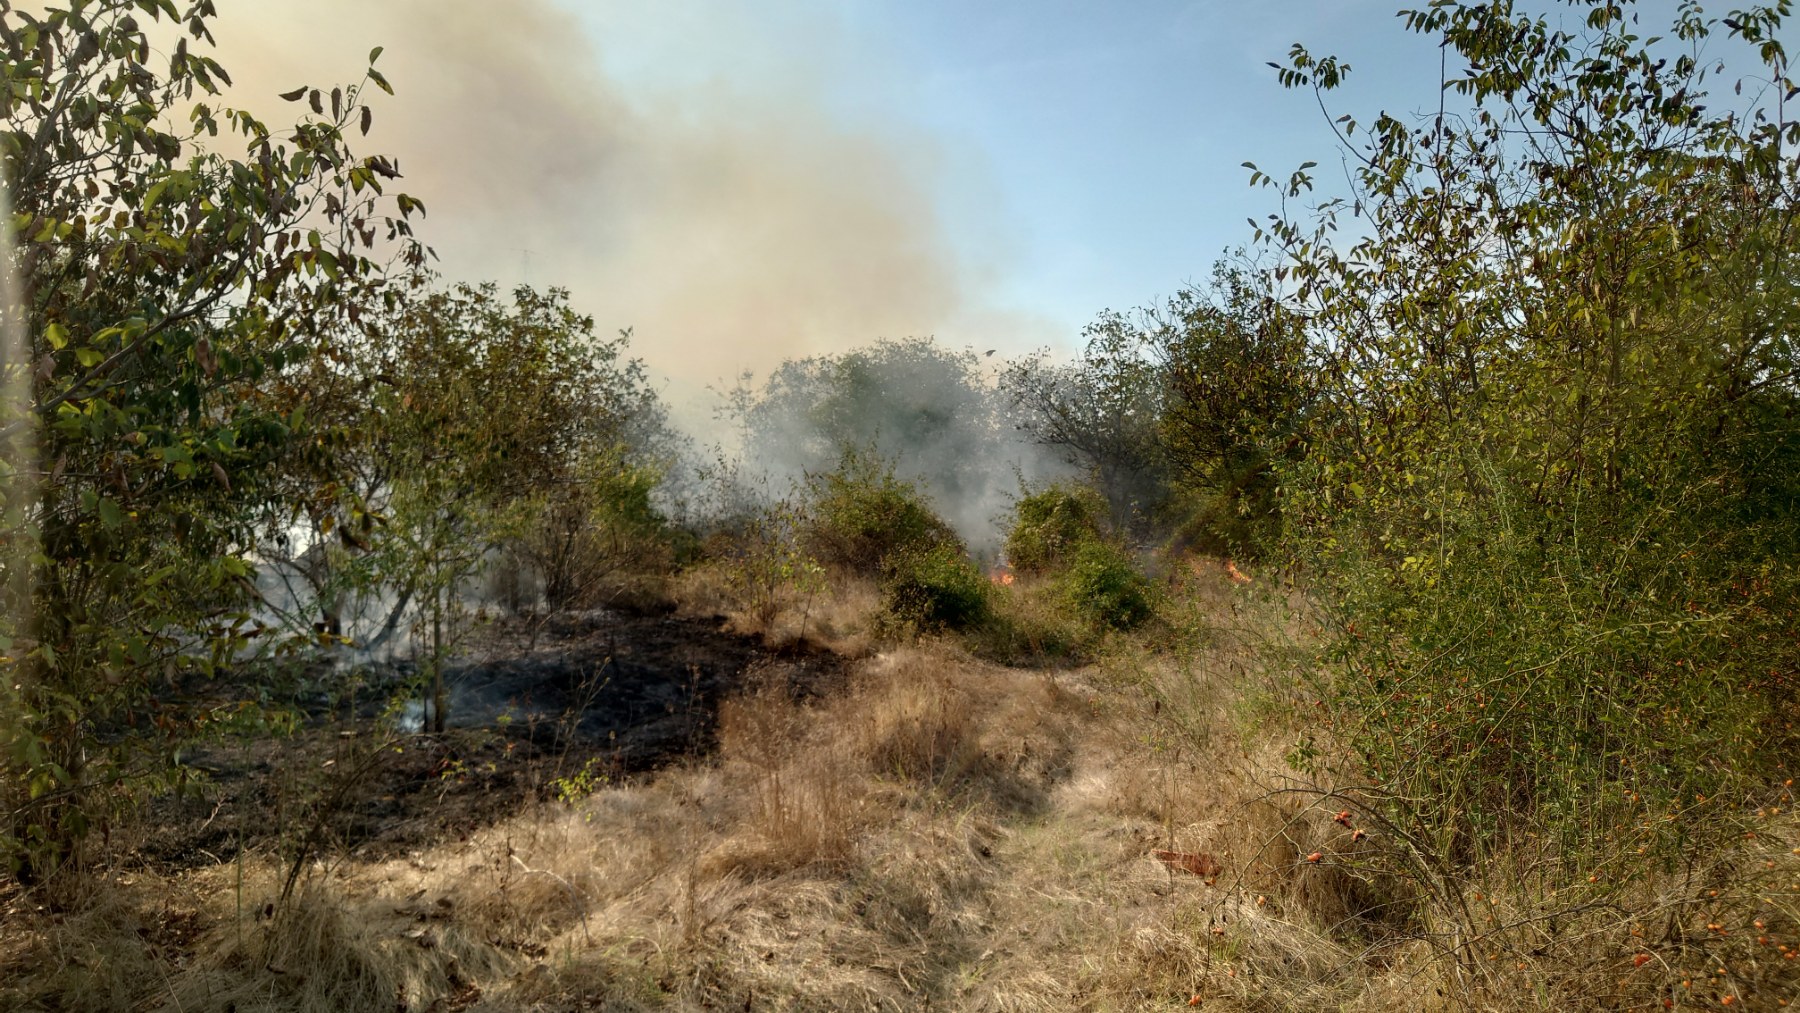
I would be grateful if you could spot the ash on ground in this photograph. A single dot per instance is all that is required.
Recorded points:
(538, 707)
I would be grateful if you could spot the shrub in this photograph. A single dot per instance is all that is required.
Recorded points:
(1540, 502)
(1051, 525)
(582, 536)
(766, 563)
(935, 588)
(1104, 588)
(862, 516)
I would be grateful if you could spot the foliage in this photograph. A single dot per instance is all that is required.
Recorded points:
(593, 776)
(766, 560)
(479, 403)
(862, 517)
(1547, 500)
(167, 287)
(1237, 392)
(1193, 399)
(1104, 588)
(488, 417)
(598, 523)
(1101, 413)
(1059, 531)
(1051, 525)
(927, 412)
(933, 587)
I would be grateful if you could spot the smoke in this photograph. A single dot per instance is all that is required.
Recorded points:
(932, 414)
(731, 221)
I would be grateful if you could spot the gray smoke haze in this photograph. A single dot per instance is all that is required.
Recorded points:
(732, 224)
(936, 416)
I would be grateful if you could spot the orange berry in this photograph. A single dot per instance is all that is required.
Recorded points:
(1315, 856)
(1640, 960)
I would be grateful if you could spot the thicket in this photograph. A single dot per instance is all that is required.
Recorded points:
(1520, 414)
(862, 517)
(166, 291)
(1548, 493)
(1546, 502)
(249, 415)
(1050, 525)
(1062, 533)
(934, 588)
(1179, 413)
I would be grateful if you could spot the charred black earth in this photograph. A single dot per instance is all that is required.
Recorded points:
(539, 708)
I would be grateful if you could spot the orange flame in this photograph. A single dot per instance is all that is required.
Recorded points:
(1237, 576)
(1002, 577)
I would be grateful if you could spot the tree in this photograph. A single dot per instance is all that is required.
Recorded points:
(1185, 403)
(166, 285)
(1102, 414)
(1237, 392)
(926, 410)
(494, 424)
(1548, 494)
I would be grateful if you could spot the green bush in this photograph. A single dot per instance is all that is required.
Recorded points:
(1552, 529)
(862, 517)
(1050, 526)
(1104, 588)
(934, 589)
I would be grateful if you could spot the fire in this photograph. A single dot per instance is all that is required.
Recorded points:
(1237, 576)
(1002, 577)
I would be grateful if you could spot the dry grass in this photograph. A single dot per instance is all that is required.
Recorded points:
(836, 614)
(942, 833)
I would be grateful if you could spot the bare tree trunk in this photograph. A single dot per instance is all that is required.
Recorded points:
(440, 700)
(392, 623)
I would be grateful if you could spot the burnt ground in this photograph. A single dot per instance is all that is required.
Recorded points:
(539, 709)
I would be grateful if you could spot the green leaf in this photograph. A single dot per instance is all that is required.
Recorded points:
(110, 514)
(156, 191)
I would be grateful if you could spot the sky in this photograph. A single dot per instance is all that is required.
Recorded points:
(742, 183)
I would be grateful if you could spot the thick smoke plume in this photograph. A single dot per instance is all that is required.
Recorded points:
(731, 224)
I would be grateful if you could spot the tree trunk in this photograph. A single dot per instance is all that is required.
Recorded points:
(440, 700)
